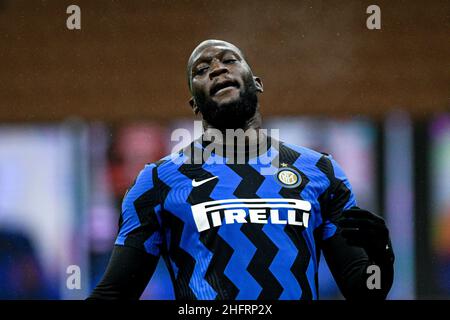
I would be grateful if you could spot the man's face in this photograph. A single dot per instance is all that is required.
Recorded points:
(223, 87)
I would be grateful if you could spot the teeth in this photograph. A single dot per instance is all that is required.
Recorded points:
(223, 89)
(230, 85)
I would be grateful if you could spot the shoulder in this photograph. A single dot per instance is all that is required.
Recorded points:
(147, 179)
(309, 159)
(305, 152)
(172, 161)
(163, 164)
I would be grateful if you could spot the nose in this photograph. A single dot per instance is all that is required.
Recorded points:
(217, 68)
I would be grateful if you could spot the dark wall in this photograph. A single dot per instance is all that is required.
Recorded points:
(128, 60)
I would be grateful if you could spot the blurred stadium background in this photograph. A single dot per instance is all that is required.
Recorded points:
(83, 111)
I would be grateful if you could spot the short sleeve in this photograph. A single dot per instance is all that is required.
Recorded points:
(338, 198)
(140, 220)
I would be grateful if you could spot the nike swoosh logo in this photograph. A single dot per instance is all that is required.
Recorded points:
(199, 183)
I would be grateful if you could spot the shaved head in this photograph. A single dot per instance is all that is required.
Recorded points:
(202, 46)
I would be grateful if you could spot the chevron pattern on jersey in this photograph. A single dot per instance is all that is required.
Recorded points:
(336, 187)
(300, 265)
(284, 258)
(183, 261)
(179, 239)
(221, 250)
(145, 209)
(266, 250)
(229, 231)
(248, 287)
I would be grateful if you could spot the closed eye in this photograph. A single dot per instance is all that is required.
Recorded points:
(200, 71)
(228, 61)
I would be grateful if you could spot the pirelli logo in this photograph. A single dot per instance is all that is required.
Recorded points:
(276, 211)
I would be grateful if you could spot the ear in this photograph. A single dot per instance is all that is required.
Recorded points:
(259, 84)
(194, 105)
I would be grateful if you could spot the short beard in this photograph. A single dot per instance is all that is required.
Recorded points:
(231, 115)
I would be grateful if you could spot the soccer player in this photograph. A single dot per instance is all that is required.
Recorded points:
(227, 229)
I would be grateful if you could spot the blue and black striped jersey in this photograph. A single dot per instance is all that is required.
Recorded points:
(235, 231)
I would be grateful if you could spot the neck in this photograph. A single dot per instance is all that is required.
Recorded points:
(254, 123)
(249, 139)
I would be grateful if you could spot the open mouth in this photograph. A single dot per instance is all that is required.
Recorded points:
(223, 85)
